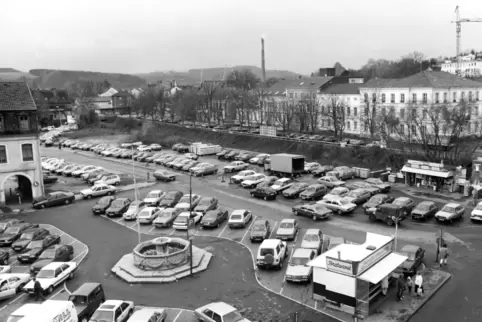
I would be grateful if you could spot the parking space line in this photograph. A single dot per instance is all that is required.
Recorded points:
(316, 305)
(177, 316)
(172, 232)
(118, 220)
(14, 263)
(73, 242)
(273, 230)
(249, 227)
(133, 225)
(222, 231)
(83, 253)
(153, 227)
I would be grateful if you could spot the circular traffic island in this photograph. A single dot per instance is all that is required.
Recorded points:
(161, 260)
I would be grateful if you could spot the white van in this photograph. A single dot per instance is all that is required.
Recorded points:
(24, 310)
(53, 311)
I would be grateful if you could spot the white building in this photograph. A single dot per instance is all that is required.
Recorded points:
(470, 66)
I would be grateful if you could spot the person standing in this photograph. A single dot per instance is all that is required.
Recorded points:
(385, 285)
(409, 285)
(444, 254)
(400, 288)
(37, 288)
(418, 284)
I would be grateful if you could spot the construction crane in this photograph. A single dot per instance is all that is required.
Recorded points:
(458, 30)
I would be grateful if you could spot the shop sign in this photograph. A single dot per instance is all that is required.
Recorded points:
(339, 266)
(374, 258)
(335, 303)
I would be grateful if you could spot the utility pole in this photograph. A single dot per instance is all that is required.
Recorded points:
(136, 192)
(188, 223)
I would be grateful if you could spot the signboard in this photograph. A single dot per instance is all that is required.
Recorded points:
(374, 258)
(267, 130)
(339, 266)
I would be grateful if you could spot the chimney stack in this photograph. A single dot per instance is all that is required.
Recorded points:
(263, 67)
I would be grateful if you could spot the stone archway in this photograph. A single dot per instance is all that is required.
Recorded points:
(17, 185)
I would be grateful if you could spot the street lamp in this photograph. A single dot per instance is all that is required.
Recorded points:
(136, 192)
(188, 222)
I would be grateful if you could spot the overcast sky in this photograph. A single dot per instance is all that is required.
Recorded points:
(301, 35)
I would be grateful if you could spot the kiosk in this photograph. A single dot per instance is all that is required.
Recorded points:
(348, 277)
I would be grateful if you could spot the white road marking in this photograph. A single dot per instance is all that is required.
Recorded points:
(66, 289)
(249, 227)
(55, 294)
(172, 232)
(83, 253)
(14, 263)
(273, 230)
(291, 253)
(133, 225)
(177, 316)
(153, 227)
(296, 237)
(17, 298)
(73, 242)
(63, 233)
(222, 231)
(118, 220)
(316, 305)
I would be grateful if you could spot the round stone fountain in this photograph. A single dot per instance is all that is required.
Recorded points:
(161, 260)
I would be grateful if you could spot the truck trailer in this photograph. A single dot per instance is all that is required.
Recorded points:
(286, 165)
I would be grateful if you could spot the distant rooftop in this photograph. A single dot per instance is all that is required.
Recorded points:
(16, 96)
(340, 89)
(306, 83)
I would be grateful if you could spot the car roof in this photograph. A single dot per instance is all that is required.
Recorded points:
(403, 198)
(85, 289)
(426, 202)
(270, 243)
(289, 220)
(410, 248)
(260, 221)
(312, 231)
(54, 265)
(155, 191)
(107, 305)
(221, 308)
(284, 179)
(452, 204)
(302, 252)
(20, 224)
(238, 211)
(390, 205)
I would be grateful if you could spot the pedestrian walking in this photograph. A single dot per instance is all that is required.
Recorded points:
(409, 285)
(37, 288)
(418, 284)
(385, 285)
(474, 197)
(60, 145)
(400, 288)
(444, 254)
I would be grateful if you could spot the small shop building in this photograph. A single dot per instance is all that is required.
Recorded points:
(348, 277)
(431, 175)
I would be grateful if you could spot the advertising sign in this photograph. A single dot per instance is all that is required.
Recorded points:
(374, 258)
(339, 266)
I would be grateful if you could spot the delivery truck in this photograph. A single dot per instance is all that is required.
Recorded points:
(286, 165)
(53, 311)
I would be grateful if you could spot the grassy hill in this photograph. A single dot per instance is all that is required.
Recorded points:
(193, 76)
(11, 74)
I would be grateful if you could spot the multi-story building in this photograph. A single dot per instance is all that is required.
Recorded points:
(470, 66)
(20, 165)
(53, 106)
(122, 102)
(415, 96)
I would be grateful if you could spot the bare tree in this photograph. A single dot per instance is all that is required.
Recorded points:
(334, 110)
(438, 132)
(370, 114)
(313, 113)
(284, 114)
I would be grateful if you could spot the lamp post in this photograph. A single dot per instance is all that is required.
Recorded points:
(188, 223)
(136, 192)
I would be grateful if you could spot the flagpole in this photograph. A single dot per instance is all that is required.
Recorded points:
(135, 194)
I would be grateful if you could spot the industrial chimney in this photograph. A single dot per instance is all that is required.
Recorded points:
(263, 67)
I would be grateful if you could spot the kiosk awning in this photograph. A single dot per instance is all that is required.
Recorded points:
(383, 268)
(441, 174)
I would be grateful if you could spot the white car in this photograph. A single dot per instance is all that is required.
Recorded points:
(338, 205)
(253, 181)
(52, 275)
(11, 284)
(86, 173)
(112, 179)
(144, 148)
(282, 184)
(218, 312)
(109, 151)
(476, 214)
(298, 270)
(148, 214)
(235, 166)
(310, 166)
(186, 220)
(256, 158)
(98, 190)
(154, 197)
(313, 239)
(84, 169)
(5, 269)
(149, 315)
(287, 230)
(336, 193)
(134, 208)
(240, 177)
(239, 218)
(113, 311)
(185, 204)
(191, 156)
(156, 147)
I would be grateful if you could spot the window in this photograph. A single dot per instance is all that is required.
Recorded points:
(476, 110)
(476, 127)
(445, 98)
(468, 127)
(392, 98)
(366, 126)
(314, 95)
(329, 122)
(424, 129)
(424, 98)
(366, 97)
(436, 97)
(374, 97)
(3, 154)
(27, 152)
(477, 96)
(383, 98)
(348, 125)
(322, 123)
(414, 129)
(454, 97)
(348, 110)
(462, 97)
(355, 125)
(402, 129)
(23, 122)
(366, 111)
(296, 95)
(355, 111)
(414, 113)
(414, 98)
(402, 98)
(470, 96)
(424, 115)
(402, 113)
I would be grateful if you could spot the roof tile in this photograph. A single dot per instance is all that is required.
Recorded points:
(340, 89)
(16, 96)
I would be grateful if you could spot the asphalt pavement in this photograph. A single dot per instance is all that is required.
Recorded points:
(458, 298)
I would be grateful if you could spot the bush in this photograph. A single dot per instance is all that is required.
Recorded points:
(127, 124)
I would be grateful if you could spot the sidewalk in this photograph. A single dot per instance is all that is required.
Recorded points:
(428, 194)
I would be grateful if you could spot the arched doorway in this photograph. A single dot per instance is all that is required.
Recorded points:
(15, 186)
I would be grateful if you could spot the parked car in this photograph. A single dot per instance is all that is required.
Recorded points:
(450, 212)
(5, 223)
(33, 233)
(287, 230)
(345, 172)
(266, 193)
(170, 199)
(313, 239)
(378, 183)
(258, 158)
(218, 312)
(101, 206)
(314, 192)
(357, 184)
(36, 247)
(476, 214)
(164, 175)
(336, 193)
(99, 190)
(330, 182)
(271, 254)
(109, 179)
(203, 169)
(406, 203)
(295, 190)
(358, 196)
(206, 204)
(243, 175)
(134, 208)
(186, 220)
(253, 181)
(188, 202)
(191, 164)
(260, 230)
(239, 218)
(339, 205)
(298, 269)
(118, 207)
(282, 184)
(51, 276)
(424, 210)
(55, 198)
(154, 197)
(148, 214)
(335, 241)
(4, 257)
(113, 311)
(87, 299)
(415, 255)
(231, 155)
(268, 182)
(222, 154)
(310, 166)
(376, 201)
(56, 253)
(11, 284)
(12, 233)
(387, 213)
(214, 218)
(315, 211)
(235, 166)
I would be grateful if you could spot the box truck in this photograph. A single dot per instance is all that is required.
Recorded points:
(286, 165)
(53, 311)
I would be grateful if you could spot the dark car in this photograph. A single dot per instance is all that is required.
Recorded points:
(295, 190)
(164, 175)
(214, 218)
(118, 207)
(4, 257)
(266, 193)
(36, 247)
(376, 201)
(424, 210)
(153, 157)
(314, 192)
(415, 255)
(28, 236)
(206, 204)
(315, 211)
(143, 158)
(92, 180)
(231, 155)
(260, 230)
(55, 198)
(87, 299)
(47, 179)
(406, 203)
(268, 182)
(170, 199)
(190, 165)
(388, 213)
(101, 206)
(57, 253)
(4, 224)
(94, 174)
(321, 171)
(142, 155)
(222, 154)
(246, 156)
(14, 232)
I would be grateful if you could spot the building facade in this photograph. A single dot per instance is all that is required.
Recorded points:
(20, 164)
(470, 66)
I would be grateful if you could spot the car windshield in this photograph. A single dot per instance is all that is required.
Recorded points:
(399, 202)
(153, 195)
(266, 251)
(181, 219)
(354, 194)
(449, 209)
(410, 255)
(344, 202)
(161, 172)
(375, 181)
(424, 207)
(259, 227)
(376, 199)
(286, 225)
(104, 201)
(78, 299)
(165, 213)
(233, 317)
(279, 183)
(236, 217)
(297, 186)
(205, 202)
(299, 261)
(337, 192)
(26, 236)
(48, 254)
(118, 203)
(35, 244)
(101, 315)
(479, 207)
(144, 213)
(310, 189)
(185, 199)
(311, 238)
(46, 273)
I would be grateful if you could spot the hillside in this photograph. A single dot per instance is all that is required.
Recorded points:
(11, 74)
(48, 78)
(193, 76)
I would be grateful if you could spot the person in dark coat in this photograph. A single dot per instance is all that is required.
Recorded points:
(400, 288)
(37, 288)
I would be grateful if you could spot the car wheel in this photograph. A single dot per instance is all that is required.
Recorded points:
(117, 183)
(315, 218)
(265, 198)
(451, 221)
(67, 202)
(89, 197)
(280, 265)
(372, 217)
(339, 212)
(389, 222)
(42, 206)
(217, 226)
(109, 193)
(50, 289)
(295, 212)
(71, 275)
(85, 320)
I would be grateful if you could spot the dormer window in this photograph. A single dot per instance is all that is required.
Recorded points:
(23, 122)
